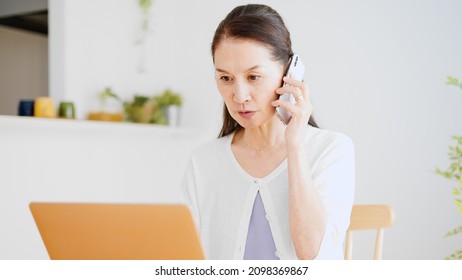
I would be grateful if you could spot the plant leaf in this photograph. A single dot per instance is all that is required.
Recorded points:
(453, 232)
(452, 80)
(457, 255)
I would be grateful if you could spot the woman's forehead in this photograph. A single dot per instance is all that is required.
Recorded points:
(232, 53)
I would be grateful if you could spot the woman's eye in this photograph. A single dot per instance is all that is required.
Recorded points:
(225, 78)
(254, 77)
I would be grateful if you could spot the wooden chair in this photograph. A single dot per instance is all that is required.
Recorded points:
(369, 217)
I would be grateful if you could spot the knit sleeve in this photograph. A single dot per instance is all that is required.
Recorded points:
(188, 192)
(335, 181)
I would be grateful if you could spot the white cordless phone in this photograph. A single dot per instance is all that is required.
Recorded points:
(297, 69)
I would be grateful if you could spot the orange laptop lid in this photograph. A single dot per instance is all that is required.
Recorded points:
(78, 231)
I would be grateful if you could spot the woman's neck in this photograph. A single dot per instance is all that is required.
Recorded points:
(262, 138)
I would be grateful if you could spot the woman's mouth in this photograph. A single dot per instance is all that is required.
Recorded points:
(246, 114)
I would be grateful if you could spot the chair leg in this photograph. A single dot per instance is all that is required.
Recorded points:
(349, 245)
(378, 244)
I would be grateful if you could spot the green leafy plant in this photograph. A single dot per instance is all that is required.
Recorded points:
(107, 94)
(169, 97)
(454, 172)
(454, 82)
(143, 109)
(145, 6)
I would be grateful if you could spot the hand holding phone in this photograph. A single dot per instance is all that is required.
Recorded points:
(296, 70)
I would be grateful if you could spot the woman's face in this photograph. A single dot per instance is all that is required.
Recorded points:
(247, 77)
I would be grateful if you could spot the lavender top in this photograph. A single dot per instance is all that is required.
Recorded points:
(260, 243)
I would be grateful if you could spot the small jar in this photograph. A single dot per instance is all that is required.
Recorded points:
(44, 107)
(26, 108)
(66, 110)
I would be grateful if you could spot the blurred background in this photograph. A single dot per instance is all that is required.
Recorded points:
(377, 71)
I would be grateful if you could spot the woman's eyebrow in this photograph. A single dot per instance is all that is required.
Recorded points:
(250, 69)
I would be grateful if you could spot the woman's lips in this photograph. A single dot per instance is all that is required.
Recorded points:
(246, 114)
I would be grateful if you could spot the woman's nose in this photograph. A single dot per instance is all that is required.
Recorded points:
(241, 93)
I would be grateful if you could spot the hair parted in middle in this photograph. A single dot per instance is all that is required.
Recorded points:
(259, 23)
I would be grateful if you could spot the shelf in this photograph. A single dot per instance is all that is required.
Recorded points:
(43, 124)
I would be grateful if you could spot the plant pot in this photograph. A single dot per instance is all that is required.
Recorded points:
(172, 115)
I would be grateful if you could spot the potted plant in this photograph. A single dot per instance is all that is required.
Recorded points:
(109, 107)
(143, 109)
(170, 102)
(454, 172)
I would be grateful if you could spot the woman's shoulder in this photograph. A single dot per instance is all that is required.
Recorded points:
(211, 148)
(325, 139)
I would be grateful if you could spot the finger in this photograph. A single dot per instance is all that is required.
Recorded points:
(293, 82)
(298, 95)
(299, 99)
(286, 105)
(296, 83)
(296, 112)
(295, 91)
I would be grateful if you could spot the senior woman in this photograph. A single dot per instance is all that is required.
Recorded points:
(264, 189)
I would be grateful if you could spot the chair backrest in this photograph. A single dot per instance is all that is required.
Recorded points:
(369, 217)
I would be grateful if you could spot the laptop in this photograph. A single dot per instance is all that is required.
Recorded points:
(88, 231)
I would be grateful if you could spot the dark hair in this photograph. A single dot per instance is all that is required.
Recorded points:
(259, 23)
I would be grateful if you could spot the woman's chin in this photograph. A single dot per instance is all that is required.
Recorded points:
(246, 123)
(253, 122)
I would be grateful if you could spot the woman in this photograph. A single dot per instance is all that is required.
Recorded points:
(265, 190)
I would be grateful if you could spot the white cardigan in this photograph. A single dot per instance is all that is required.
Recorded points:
(221, 194)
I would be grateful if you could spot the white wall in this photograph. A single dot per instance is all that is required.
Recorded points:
(45, 160)
(93, 46)
(376, 71)
(23, 68)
